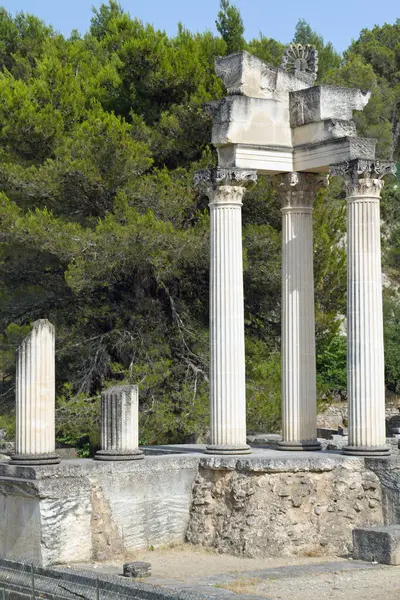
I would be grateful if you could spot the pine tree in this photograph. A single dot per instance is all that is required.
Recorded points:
(230, 26)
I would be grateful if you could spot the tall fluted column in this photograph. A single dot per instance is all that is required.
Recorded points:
(365, 356)
(299, 401)
(119, 424)
(225, 189)
(35, 397)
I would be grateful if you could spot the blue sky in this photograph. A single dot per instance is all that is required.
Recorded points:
(336, 20)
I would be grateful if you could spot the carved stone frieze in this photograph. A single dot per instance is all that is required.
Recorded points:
(363, 177)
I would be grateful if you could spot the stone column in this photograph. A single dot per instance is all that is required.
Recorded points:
(365, 357)
(120, 424)
(225, 189)
(299, 399)
(35, 397)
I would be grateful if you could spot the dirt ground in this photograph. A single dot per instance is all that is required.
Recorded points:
(191, 562)
(378, 584)
(289, 578)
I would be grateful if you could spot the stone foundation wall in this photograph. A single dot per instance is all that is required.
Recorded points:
(287, 508)
(83, 510)
(266, 504)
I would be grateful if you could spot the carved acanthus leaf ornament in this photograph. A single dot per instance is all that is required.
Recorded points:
(363, 177)
(215, 178)
(297, 190)
(299, 57)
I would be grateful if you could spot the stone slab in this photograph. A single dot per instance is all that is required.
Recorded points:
(317, 157)
(247, 75)
(265, 159)
(377, 544)
(323, 102)
(280, 158)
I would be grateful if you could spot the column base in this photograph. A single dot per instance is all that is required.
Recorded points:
(35, 460)
(367, 450)
(114, 455)
(227, 449)
(305, 446)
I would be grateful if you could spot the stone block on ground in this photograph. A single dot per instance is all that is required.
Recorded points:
(137, 569)
(377, 544)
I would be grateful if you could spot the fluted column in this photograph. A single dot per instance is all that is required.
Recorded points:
(299, 400)
(120, 424)
(35, 397)
(365, 355)
(225, 189)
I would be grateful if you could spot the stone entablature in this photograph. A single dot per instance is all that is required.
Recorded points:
(273, 120)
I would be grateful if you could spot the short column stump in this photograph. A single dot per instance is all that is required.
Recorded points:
(377, 544)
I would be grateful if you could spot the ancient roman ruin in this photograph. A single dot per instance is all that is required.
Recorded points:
(276, 122)
(273, 121)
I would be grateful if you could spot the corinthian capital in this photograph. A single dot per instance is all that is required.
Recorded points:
(225, 187)
(297, 190)
(363, 177)
(214, 178)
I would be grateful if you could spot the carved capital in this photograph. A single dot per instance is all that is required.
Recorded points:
(221, 176)
(297, 190)
(225, 186)
(363, 177)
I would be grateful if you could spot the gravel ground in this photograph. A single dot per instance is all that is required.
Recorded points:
(290, 578)
(379, 583)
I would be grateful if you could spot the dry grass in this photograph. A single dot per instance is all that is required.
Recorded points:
(314, 553)
(241, 586)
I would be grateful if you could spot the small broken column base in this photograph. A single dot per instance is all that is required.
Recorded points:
(119, 455)
(35, 459)
(301, 446)
(367, 450)
(228, 449)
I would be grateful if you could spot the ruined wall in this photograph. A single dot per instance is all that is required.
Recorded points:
(282, 509)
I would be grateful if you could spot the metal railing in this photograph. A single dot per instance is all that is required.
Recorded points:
(26, 580)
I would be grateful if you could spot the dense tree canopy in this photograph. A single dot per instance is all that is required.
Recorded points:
(102, 232)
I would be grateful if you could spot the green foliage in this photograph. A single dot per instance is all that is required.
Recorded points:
(263, 375)
(373, 62)
(391, 313)
(77, 419)
(331, 363)
(267, 49)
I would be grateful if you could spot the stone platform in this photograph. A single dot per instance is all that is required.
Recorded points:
(269, 503)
